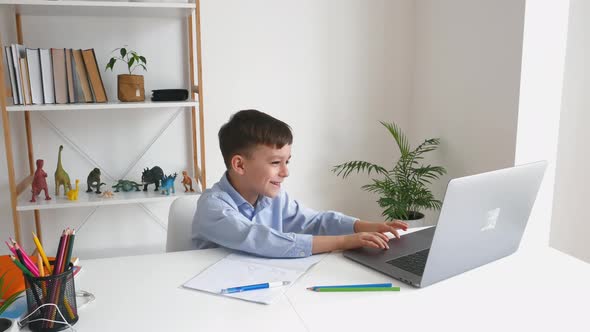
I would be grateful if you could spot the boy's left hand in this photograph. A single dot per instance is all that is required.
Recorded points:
(381, 227)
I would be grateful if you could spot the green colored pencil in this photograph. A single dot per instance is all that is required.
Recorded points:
(357, 289)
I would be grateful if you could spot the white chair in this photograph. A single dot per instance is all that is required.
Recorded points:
(180, 220)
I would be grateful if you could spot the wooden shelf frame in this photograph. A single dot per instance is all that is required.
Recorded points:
(190, 11)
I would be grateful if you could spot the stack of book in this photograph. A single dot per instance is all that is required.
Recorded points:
(53, 76)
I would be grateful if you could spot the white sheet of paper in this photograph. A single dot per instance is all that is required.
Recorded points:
(241, 270)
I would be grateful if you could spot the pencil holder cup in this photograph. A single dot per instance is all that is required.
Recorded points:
(56, 289)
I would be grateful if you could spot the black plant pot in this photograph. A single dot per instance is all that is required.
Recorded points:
(5, 324)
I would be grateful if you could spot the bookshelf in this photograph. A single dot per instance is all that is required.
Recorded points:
(20, 188)
(131, 197)
(99, 8)
(102, 106)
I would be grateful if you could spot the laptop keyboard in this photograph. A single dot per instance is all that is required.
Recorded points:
(414, 263)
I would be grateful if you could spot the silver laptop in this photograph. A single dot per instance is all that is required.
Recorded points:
(482, 219)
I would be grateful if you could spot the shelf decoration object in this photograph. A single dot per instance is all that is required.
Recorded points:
(168, 184)
(107, 194)
(73, 193)
(39, 182)
(149, 176)
(187, 182)
(93, 181)
(129, 87)
(61, 176)
(126, 185)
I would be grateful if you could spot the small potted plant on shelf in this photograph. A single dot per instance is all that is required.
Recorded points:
(129, 87)
(403, 189)
(5, 301)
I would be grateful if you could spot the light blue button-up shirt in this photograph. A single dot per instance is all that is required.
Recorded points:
(275, 227)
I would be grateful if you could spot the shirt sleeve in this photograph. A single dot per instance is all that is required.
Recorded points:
(219, 222)
(299, 219)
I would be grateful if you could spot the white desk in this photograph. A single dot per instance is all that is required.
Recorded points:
(528, 291)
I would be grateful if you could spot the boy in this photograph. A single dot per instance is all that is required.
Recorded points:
(247, 210)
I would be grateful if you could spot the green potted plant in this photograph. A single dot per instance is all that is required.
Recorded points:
(6, 323)
(403, 189)
(129, 87)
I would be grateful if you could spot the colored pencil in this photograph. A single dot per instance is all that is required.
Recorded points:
(353, 286)
(58, 256)
(358, 289)
(11, 248)
(27, 261)
(31, 267)
(70, 249)
(42, 252)
(21, 266)
(40, 265)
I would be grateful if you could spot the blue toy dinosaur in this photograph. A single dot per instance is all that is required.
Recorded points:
(168, 184)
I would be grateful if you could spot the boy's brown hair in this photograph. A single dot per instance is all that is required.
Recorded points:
(248, 128)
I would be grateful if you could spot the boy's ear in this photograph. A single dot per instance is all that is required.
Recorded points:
(237, 164)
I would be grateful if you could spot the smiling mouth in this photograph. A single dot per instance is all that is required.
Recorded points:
(278, 184)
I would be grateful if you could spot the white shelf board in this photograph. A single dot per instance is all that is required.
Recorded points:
(99, 8)
(91, 199)
(102, 106)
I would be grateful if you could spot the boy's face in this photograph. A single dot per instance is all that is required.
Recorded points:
(264, 171)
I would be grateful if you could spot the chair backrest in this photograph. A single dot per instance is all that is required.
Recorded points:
(180, 220)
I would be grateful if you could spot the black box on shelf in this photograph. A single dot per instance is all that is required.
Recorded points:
(169, 95)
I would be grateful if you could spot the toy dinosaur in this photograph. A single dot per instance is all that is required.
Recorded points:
(61, 176)
(39, 182)
(73, 193)
(107, 194)
(126, 185)
(168, 184)
(187, 181)
(93, 181)
(149, 176)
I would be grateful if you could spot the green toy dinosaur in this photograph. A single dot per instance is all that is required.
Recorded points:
(126, 185)
(61, 176)
(93, 181)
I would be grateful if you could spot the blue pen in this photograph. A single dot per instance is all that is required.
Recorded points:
(254, 287)
(353, 286)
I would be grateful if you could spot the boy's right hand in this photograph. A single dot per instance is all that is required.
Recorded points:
(366, 239)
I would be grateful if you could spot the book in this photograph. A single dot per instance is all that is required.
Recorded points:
(47, 76)
(60, 80)
(81, 77)
(241, 269)
(69, 76)
(11, 74)
(24, 73)
(94, 76)
(36, 83)
(18, 52)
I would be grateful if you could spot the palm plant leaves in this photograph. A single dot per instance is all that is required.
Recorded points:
(5, 303)
(398, 135)
(357, 166)
(403, 189)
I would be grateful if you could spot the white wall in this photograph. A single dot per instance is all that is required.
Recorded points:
(308, 63)
(466, 84)
(545, 34)
(331, 69)
(569, 227)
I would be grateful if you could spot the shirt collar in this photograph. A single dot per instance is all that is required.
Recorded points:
(226, 186)
(233, 193)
